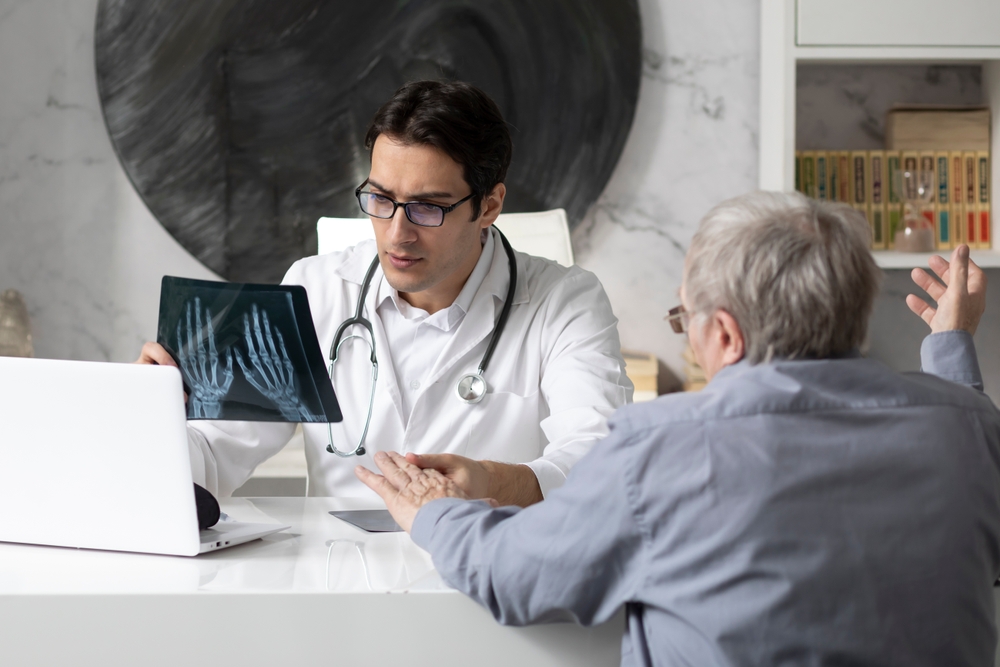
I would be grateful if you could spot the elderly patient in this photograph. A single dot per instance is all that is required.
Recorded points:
(810, 506)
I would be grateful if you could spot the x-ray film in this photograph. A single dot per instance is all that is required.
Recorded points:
(246, 352)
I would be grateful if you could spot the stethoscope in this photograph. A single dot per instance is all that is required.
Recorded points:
(472, 387)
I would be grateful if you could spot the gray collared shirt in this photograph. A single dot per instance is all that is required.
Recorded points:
(795, 512)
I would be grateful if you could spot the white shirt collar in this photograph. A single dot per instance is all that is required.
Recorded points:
(446, 318)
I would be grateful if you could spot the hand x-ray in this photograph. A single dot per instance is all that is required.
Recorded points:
(246, 352)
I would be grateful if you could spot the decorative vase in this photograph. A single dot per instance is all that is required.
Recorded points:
(15, 334)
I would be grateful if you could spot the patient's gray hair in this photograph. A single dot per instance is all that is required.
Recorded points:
(796, 274)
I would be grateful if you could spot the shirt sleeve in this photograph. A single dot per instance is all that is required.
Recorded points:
(578, 556)
(951, 355)
(583, 378)
(225, 453)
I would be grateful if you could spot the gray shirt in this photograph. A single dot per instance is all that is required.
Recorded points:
(795, 512)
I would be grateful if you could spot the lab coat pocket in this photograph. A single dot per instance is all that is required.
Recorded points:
(504, 426)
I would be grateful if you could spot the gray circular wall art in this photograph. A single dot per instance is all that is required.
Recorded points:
(241, 122)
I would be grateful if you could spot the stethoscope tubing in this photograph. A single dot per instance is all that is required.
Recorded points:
(507, 303)
(338, 340)
(359, 319)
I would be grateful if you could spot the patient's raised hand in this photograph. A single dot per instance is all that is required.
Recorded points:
(961, 300)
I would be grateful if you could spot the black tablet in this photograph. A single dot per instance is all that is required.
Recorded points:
(370, 521)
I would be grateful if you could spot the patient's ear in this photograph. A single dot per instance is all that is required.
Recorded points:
(716, 340)
(730, 338)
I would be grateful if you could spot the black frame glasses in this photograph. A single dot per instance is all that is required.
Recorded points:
(678, 318)
(419, 213)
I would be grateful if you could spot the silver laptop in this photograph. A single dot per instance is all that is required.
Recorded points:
(95, 456)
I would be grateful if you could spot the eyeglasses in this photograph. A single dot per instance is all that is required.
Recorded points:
(678, 318)
(417, 212)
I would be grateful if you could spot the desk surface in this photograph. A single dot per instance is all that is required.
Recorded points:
(323, 591)
(319, 554)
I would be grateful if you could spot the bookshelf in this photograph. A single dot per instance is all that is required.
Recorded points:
(818, 31)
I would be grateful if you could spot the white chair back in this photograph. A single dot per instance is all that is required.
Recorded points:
(334, 234)
(543, 234)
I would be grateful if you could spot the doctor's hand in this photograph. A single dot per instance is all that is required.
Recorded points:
(960, 301)
(155, 354)
(508, 484)
(472, 476)
(405, 488)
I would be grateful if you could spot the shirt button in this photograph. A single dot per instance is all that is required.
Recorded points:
(414, 385)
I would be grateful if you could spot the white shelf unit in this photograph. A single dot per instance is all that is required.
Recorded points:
(890, 259)
(781, 23)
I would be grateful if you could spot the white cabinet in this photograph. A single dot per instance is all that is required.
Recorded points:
(820, 31)
(898, 23)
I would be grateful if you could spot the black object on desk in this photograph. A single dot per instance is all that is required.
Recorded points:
(370, 521)
(207, 506)
(246, 352)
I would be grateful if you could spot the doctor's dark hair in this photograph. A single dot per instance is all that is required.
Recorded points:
(796, 274)
(458, 119)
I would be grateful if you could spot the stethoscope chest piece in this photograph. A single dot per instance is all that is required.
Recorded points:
(471, 388)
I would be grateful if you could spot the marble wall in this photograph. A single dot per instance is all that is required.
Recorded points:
(842, 107)
(75, 238)
(693, 144)
(88, 256)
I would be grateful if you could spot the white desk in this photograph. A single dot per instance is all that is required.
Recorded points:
(323, 592)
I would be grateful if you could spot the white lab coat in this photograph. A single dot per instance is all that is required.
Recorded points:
(556, 376)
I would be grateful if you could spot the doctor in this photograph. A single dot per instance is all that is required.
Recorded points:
(435, 302)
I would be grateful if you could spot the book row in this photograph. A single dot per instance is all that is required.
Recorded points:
(950, 189)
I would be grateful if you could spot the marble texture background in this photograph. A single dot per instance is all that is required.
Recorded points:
(841, 107)
(77, 241)
(693, 144)
(75, 238)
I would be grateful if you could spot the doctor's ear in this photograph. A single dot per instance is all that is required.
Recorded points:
(492, 205)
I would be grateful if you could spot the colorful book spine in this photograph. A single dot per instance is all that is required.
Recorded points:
(929, 209)
(943, 215)
(957, 196)
(798, 171)
(876, 190)
(844, 169)
(894, 203)
(834, 170)
(985, 237)
(969, 208)
(809, 173)
(822, 177)
(859, 183)
(910, 162)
